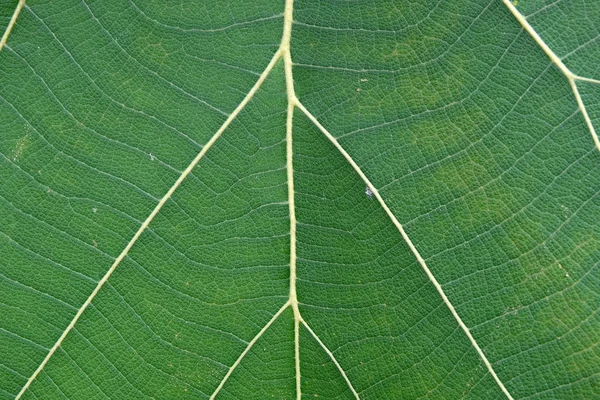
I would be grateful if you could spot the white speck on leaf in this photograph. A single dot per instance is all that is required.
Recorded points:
(369, 192)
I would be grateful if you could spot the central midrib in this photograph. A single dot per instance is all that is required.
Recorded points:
(293, 102)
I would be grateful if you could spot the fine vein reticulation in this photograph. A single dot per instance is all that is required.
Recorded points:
(284, 53)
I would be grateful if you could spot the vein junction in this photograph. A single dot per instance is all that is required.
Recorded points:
(571, 77)
(293, 102)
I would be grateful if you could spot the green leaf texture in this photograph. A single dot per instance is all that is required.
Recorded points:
(299, 199)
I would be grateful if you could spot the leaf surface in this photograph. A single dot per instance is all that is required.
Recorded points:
(268, 199)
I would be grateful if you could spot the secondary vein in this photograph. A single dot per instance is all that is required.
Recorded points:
(411, 246)
(13, 19)
(146, 223)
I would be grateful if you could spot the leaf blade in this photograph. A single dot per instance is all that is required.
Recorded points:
(455, 121)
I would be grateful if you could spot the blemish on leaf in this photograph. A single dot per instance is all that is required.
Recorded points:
(561, 267)
(369, 192)
(21, 145)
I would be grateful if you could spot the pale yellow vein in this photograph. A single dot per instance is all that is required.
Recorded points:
(247, 349)
(284, 52)
(11, 23)
(571, 77)
(145, 224)
(412, 247)
(332, 357)
(291, 98)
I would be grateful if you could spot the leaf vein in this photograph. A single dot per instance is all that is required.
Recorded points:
(143, 227)
(412, 247)
(11, 23)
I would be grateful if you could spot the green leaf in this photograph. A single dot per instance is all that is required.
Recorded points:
(299, 199)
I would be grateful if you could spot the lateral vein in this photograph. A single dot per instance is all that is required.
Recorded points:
(412, 247)
(335, 361)
(153, 214)
(13, 19)
(247, 349)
